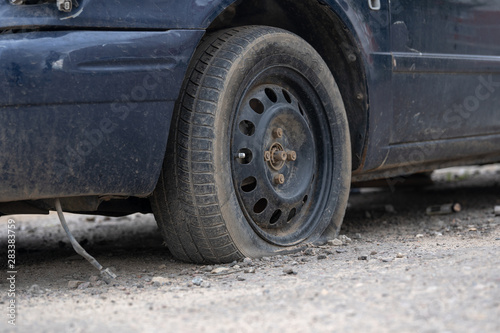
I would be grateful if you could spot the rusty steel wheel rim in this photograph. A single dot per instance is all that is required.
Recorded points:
(279, 143)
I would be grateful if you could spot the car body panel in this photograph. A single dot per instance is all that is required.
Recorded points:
(117, 14)
(86, 112)
(446, 80)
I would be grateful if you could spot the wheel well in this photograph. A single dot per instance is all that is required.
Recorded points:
(315, 23)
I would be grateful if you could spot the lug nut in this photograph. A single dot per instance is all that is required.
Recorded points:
(277, 132)
(241, 155)
(279, 156)
(267, 156)
(279, 179)
(291, 155)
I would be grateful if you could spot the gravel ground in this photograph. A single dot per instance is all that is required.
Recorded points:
(394, 269)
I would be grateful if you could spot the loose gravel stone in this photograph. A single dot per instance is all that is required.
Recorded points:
(84, 285)
(73, 284)
(35, 290)
(335, 242)
(321, 256)
(160, 280)
(346, 240)
(250, 270)
(290, 271)
(197, 281)
(220, 270)
(247, 262)
(362, 258)
(205, 284)
(240, 278)
(310, 252)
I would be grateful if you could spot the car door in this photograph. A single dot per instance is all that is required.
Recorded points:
(446, 72)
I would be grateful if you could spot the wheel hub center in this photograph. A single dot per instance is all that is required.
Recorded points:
(275, 156)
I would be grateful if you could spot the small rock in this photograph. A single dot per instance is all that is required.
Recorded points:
(197, 281)
(266, 259)
(309, 252)
(236, 266)
(250, 270)
(146, 278)
(162, 266)
(294, 263)
(220, 270)
(346, 240)
(84, 285)
(73, 284)
(400, 255)
(373, 253)
(205, 284)
(208, 268)
(419, 236)
(321, 257)
(497, 210)
(335, 242)
(304, 259)
(340, 250)
(290, 271)
(240, 278)
(363, 258)
(35, 290)
(386, 259)
(247, 262)
(160, 280)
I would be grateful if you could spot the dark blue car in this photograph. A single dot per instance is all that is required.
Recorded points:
(239, 124)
